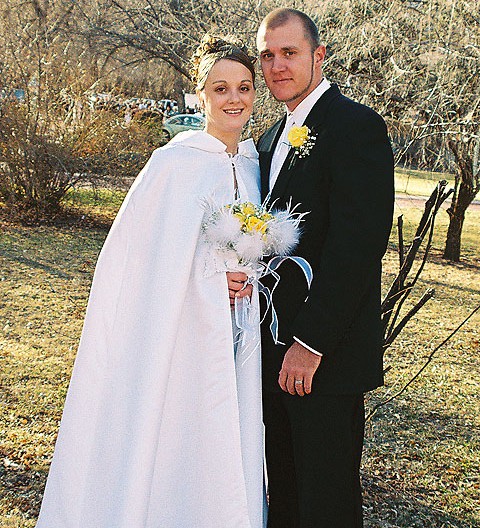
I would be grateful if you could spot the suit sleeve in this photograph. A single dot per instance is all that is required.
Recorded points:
(360, 219)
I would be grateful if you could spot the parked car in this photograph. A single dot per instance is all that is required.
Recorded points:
(180, 122)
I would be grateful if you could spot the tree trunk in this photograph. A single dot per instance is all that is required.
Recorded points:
(456, 211)
(467, 184)
(454, 235)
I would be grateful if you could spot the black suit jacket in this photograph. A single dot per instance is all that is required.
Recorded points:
(346, 185)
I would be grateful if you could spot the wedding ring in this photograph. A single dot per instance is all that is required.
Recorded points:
(298, 382)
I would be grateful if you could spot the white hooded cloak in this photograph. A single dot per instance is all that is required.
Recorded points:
(162, 423)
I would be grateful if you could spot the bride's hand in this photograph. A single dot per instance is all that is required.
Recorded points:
(236, 286)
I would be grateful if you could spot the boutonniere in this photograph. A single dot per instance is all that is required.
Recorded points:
(302, 139)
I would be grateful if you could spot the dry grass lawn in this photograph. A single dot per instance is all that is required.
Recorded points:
(422, 455)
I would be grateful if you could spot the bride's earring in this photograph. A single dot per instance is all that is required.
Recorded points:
(201, 102)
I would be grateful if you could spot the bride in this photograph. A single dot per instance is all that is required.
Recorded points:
(162, 422)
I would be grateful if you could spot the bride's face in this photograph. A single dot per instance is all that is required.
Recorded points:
(227, 97)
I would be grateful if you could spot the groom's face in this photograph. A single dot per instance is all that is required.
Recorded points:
(292, 69)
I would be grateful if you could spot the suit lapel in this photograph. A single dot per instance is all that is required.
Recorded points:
(313, 121)
(268, 147)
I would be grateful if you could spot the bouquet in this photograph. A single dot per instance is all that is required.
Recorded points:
(238, 236)
(242, 233)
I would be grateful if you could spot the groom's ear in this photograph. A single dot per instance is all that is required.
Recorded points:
(319, 55)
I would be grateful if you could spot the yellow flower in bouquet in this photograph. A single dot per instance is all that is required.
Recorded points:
(298, 135)
(240, 216)
(266, 217)
(254, 223)
(248, 208)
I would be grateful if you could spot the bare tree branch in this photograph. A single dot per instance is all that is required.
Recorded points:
(424, 366)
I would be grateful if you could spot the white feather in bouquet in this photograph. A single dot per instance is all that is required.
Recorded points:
(283, 232)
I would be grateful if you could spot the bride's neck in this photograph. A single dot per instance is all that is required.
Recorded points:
(231, 139)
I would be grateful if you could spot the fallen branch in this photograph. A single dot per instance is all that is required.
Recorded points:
(424, 366)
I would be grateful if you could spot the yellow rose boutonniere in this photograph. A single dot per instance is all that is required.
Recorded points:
(302, 140)
(298, 135)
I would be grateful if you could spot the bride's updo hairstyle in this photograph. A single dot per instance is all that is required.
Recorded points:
(214, 48)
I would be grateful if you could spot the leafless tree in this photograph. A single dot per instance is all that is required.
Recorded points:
(418, 63)
(50, 139)
(466, 151)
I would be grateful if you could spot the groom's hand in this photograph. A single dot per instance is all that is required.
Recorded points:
(236, 286)
(299, 365)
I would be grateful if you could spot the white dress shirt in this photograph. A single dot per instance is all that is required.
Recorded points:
(295, 118)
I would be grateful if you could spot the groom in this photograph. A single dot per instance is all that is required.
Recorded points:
(314, 383)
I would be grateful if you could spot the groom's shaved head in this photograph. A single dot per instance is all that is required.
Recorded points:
(279, 17)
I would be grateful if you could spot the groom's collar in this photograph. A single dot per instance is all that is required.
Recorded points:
(317, 114)
(301, 111)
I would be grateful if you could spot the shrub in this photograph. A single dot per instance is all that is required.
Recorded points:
(41, 158)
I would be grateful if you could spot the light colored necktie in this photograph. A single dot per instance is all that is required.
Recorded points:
(281, 151)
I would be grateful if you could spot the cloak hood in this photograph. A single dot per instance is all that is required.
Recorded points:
(201, 140)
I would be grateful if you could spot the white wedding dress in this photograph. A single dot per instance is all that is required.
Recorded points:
(162, 424)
